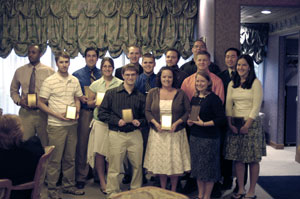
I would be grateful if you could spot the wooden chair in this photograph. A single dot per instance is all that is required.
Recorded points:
(5, 187)
(39, 175)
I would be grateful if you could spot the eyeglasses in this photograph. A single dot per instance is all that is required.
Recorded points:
(128, 75)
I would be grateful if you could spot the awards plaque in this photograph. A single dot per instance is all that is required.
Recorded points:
(87, 91)
(194, 113)
(71, 112)
(32, 100)
(166, 121)
(127, 115)
(99, 98)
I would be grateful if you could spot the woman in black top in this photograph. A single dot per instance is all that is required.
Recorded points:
(205, 135)
(18, 159)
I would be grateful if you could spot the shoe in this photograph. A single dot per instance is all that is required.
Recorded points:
(80, 185)
(103, 191)
(251, 197)
(238, 196)
(126, 179)
(73, 191)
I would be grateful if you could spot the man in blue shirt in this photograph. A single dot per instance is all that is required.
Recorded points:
(86, 76)
(147, 79)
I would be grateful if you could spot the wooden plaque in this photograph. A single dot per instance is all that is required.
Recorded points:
(32, 100)
(127, 115)
(166, 121)
(99, 98)
(71, 112)
(194, 113)
(87, 91)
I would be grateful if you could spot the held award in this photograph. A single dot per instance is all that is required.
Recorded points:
(127, 115)
(166, 121)
(99, 98)
(71, 112)
(194, 113)
(87, 91)
(32, 100)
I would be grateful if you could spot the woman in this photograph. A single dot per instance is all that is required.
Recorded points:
(245, 142)
(97, 146)
(167, 152)
(205, 136)
(18, 159)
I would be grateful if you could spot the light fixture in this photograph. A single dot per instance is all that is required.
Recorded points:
(266, 12)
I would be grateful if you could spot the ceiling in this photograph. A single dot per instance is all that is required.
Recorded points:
(252, 14)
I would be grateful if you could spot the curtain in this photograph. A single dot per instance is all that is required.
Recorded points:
(254, 40)
(109, 25)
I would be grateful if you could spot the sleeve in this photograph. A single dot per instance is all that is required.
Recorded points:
(93, 87)
(187, 107)
(142, 118)
(149, 100)
(14, 88)
(218, 110)
(185, 87)
(78, 92)
(105, 113)
(257, 98)
(45, 90)
(229, 102)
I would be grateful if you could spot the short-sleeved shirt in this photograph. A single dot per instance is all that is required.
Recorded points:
(60, 92)
(99, 86)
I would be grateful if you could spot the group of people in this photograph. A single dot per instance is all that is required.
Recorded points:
(193, 119)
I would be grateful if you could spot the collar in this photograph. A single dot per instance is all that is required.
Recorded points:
(121, 88)
(94, 69)
(38, 65)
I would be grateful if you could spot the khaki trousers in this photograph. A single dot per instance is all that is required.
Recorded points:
(64, 138)
(34, 123)
(83, 133)
(122, 145)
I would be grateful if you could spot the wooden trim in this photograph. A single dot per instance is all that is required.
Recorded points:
(276, 146)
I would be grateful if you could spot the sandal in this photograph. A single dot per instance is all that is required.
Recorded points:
(251, 197)
(73, 191)
(238, 196)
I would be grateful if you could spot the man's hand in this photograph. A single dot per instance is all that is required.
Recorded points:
(121, 123)
(83, 99)
(136, 123)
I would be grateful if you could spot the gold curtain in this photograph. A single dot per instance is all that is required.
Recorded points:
(109, 25)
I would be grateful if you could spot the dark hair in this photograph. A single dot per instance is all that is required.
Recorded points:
(131, 67)
(203, 53)
(149, 55)
(11, 133)
(251, 76)
(109, 60)
(238, 53)
(200, 40)
(91, 49)
(207, 77)
(63, 54)
(36, 45)
(173, 49)
(158, 76)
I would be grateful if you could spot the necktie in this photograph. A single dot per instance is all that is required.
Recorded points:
(93, 78)
(32, 82)
(147, 84)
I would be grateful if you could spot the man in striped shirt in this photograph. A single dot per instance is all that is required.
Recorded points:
(60, 91)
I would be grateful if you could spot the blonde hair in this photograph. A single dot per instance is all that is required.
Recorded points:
(207, 77)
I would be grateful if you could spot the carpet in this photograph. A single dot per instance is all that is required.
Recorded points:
(281, 187)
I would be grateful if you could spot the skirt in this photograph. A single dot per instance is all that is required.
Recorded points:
(205, 159)
(167, 153)
(98, 141)
(246, 148)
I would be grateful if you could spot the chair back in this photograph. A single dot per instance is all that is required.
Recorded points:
(5, 188)
(40, 173)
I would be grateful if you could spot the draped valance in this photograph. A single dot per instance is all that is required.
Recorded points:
(109, 25)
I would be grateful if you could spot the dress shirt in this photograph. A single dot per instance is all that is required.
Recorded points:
(217, 86)
(22, 79)
(118, 72)
(141, 81)
(84, 77)
(117, 99)
(181, 75)
(226, 78)
(100, 86)
(190, 68)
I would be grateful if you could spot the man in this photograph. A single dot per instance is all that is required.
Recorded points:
(59, 92)
(147, 79)
(172, 58)
(121, 104)
(190, 67)
(202, 63)
(86, 76)
(30, 78)
(134, 54)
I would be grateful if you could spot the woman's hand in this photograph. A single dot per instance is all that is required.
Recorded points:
(157, 125)
(233, 129)
(244, 130)
(199, 122)
(173, 127)
(190, 122)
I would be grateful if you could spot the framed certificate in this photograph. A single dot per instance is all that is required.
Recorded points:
(32, 100)
(99, 98)
(71, 112)
(86, 91)
(166, 121)
(127, 115)
(194, 112)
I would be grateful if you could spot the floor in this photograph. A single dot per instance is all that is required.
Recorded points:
(276, 163)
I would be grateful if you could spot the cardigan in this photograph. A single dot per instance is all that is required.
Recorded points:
(180, 107)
